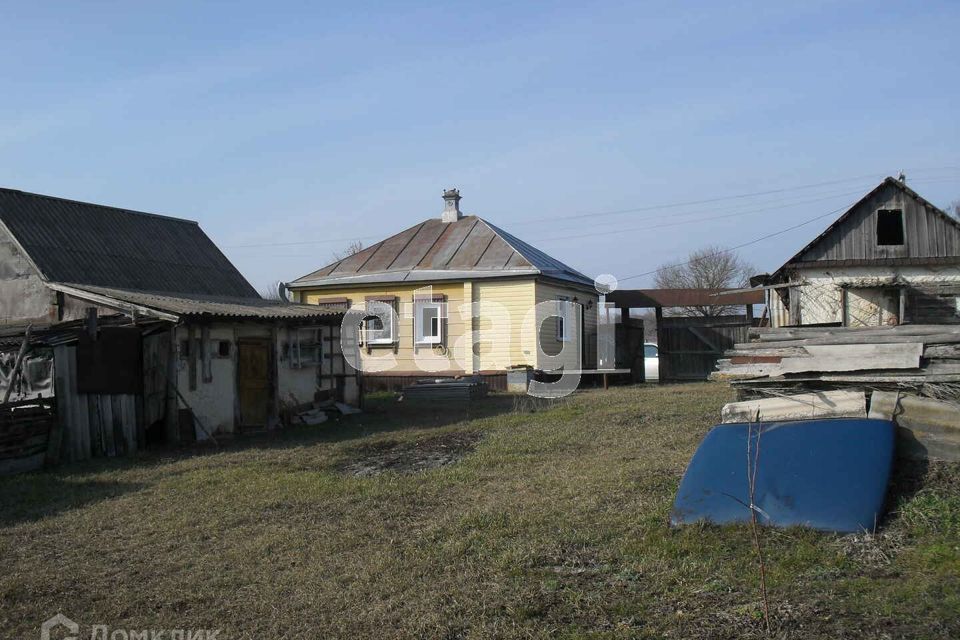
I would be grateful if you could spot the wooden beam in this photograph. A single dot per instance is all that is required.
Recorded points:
(24, 347)
(128, 308)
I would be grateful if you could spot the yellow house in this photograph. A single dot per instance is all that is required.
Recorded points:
(457, 295)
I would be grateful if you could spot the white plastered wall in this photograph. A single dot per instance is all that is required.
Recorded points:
(821, 296)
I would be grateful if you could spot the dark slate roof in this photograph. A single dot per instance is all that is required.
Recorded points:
(942, 249)
(466, 249)
(187, 305)
(92, 244)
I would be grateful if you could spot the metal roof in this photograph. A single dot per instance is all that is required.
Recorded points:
(70, 241)
(186, 305)
(465, 249)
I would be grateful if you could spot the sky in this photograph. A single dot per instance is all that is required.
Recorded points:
(616, 137)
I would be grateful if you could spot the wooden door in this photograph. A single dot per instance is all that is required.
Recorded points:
(253, 381)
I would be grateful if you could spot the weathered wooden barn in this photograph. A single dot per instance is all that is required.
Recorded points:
(142, 330)
(892, 258)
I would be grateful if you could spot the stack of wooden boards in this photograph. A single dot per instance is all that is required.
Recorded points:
(446, 389)
(909, 374)
(874, 355)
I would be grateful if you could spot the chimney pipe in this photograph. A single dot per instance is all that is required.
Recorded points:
(451, 206)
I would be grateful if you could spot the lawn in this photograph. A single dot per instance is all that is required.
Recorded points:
(552, 524)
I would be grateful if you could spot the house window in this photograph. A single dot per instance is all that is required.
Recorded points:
(428, 321)
(223, 348)
(380, 325)
(889, 227)
(564, 318)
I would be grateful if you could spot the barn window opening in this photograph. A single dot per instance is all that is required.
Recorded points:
(223, 348)
(889, 227)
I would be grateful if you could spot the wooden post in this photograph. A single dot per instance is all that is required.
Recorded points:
(844, 320)
(192, 352)
(24, 347)
(172, 421)
(92, 322)
(660, 347)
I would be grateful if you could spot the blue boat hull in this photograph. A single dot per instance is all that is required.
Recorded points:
(830, 475)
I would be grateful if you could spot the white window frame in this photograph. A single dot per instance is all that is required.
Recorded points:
(390, 336)
(563, 319)
(420, 336)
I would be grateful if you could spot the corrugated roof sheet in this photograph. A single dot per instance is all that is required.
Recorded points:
(219, 306)
(468, 248)
(92, 244)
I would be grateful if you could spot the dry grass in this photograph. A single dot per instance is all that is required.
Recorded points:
(553, 524)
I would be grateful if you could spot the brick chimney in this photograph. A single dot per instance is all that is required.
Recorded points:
(451, 206)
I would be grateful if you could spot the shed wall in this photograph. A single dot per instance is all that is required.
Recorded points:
(23, 296)
(927, 234)
(821, 298)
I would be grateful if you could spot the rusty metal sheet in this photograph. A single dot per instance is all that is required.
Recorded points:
(453, 236)
(411, 255)
(473, 246)
(496, 256)
(388, 251)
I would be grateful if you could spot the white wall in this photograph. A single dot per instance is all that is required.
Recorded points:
(214, 402)
(820, 295)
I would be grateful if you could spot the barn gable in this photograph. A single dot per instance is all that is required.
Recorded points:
(890, 225)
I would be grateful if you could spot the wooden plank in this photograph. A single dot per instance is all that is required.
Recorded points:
(119, 429)
(856, 357)
(106, 424)
(803, 406)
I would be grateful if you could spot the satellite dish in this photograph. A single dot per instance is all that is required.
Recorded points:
(282, 291)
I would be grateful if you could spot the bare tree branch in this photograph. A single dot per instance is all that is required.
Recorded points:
(953, 209)
(711, 267)
(354, 247)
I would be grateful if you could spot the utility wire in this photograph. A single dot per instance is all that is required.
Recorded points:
(613, 212)
(740, 246)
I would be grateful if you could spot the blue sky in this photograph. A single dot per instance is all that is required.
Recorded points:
(288, 129)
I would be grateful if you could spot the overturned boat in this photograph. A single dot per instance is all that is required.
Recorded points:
(829, 475)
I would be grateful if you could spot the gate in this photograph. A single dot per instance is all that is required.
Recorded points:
(691, 346)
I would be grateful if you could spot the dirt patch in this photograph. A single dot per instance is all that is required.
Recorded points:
(410, 457)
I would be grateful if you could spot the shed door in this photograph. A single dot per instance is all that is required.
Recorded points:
(253, 381)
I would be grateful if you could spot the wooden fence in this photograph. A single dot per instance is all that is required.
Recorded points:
(691, 346)
(94, 424)
(29, 435)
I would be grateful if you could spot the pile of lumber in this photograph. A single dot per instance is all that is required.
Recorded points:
(470, 388)
(914, 354)
(909, 374)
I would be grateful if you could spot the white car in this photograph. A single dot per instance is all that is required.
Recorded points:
(651, 361)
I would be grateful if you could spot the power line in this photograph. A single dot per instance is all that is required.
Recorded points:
(672, 205)
(740, 246)
(706, 219)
